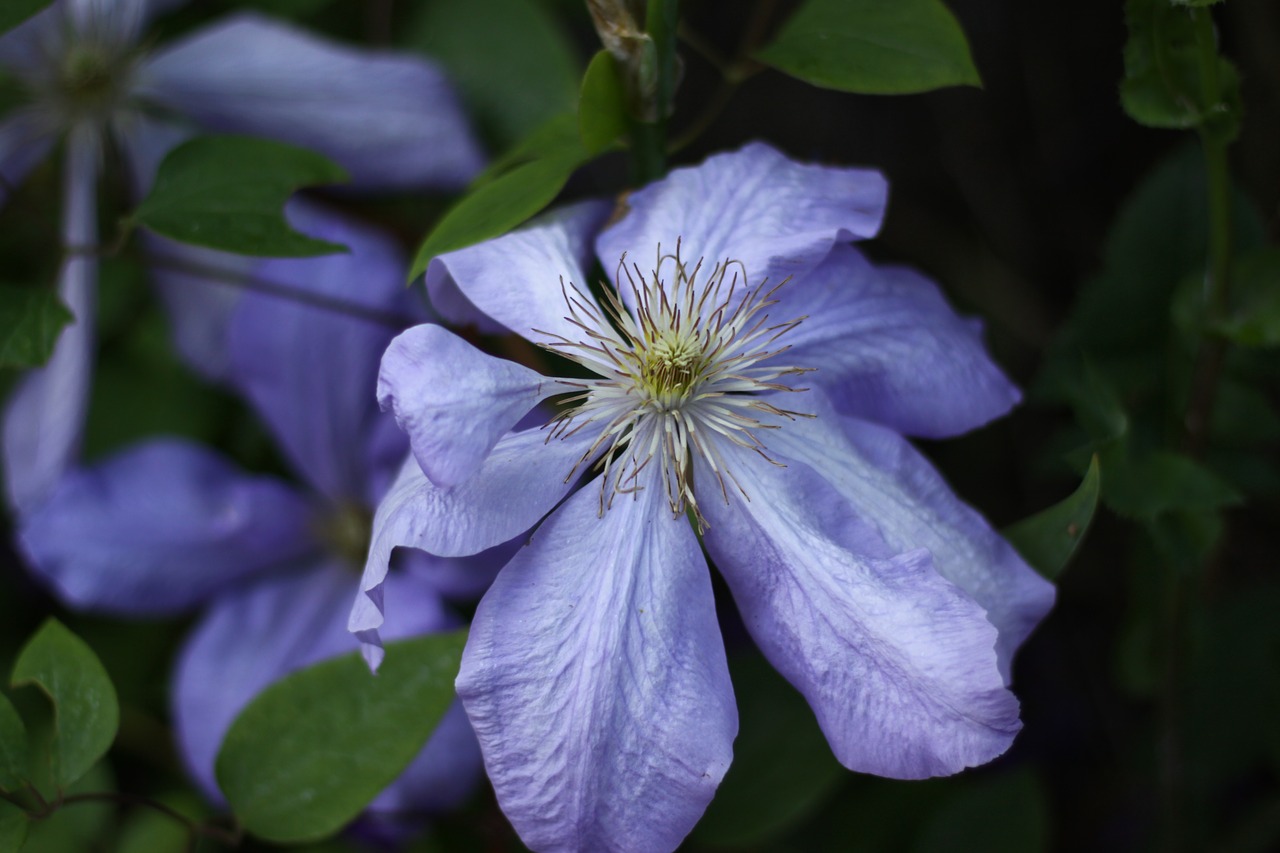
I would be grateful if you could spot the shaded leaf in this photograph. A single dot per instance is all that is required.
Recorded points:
(86, 713)
(13, 747)
(602, 105)
(1148, 484)
(1254, 319)
(228, 192)
(315, 748)
(13, 827)
(873, 47)
(999, 814)
(31, 318)
(14, 12)
(1047, 539)
(86, 827)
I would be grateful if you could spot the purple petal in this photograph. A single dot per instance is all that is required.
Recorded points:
(778, 217)
(889, 349)
(595, 678)
(309, 366)
(390, 119)
(516, 279)
(44, 419)
(25, 138)
(454, 401)
(162, 527)
(898, 664)
(894, 488)
(259, 633)
(520, 481)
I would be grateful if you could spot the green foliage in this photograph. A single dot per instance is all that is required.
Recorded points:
(873, 47)
(782, 766)
(1147, 485)
(1254, 318)
(315, 748)
(13, 747)
(1047, 539)
(602, 106)
(511, 59)
(227, 192)
(86, 713)
(13, 827)
(14, 12)
(997, 814)
(82, 827)
(31, 318)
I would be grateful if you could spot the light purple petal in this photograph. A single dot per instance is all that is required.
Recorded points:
(520, 481)
(888, 348)
(595, 678)
(45, 416)
(25, 138)
(390, 119)
(310, 367)
(454, 401)
(516, 279)
(897, 663)
(458, 578)
(777, 217)
(116, 22)
(162, 527)
(261, 632)
(894, 488)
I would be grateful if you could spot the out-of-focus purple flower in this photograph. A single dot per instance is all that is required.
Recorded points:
(167, 525)
(390, 119)
(748, 371)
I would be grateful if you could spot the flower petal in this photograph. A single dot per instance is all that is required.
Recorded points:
(306, 355)
(595, 678)
(390, 119)
(261, 632)
(777, 217)
(25, 138)
(516, 279)
(889, 349)
(162, 527)
(898, 664)
(453, 400)
(895, 489)
(44, 420)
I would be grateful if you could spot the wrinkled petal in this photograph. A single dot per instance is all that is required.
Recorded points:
(390, 119)
(458, 578)
(25, 138)
(162, 527)
(595, 678)
(775, 216)
(888, 348)
(454, 401)
(309, 360)
(516, 279)
(894, 488)
(898, 664)
(261, 632)
(44, 420)
(520, 481)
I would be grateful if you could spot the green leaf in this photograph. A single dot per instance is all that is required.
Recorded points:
(316, 747)
(227, 192)
(495, 207)
(1048, 539)
(1254, 319)
(873, 47)
(86, 714)
(14, 12)
(513, 62)
(14, 750)
(13, 827)
(602, 106)
(782, 766)
(82, 828)
(1149, 484)
(31, 318)
(995, 814)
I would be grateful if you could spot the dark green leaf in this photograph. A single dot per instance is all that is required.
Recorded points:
(14, 12)
(1048, 539)
(227, 192)
(316, 747)
(873, 47)
(13, 827)
(511, 59)
(495, 207)
(13, 747)
(31, 318)
(82, 828)
(782, 766)
(1000, 814)
(602, 106)
(1255, 314)
(552, 138)
(1146, 485)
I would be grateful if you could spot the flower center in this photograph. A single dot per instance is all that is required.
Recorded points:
(679, 371)
(345, 530)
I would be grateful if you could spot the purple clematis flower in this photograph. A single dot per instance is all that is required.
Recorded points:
(748, 376)
(168, 525)
(390, 119)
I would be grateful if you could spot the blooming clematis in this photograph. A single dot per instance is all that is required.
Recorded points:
(390, 119)
(745, 377)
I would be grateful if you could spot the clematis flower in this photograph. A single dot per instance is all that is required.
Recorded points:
(168, 525)
(390, 119)
(746, 379)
